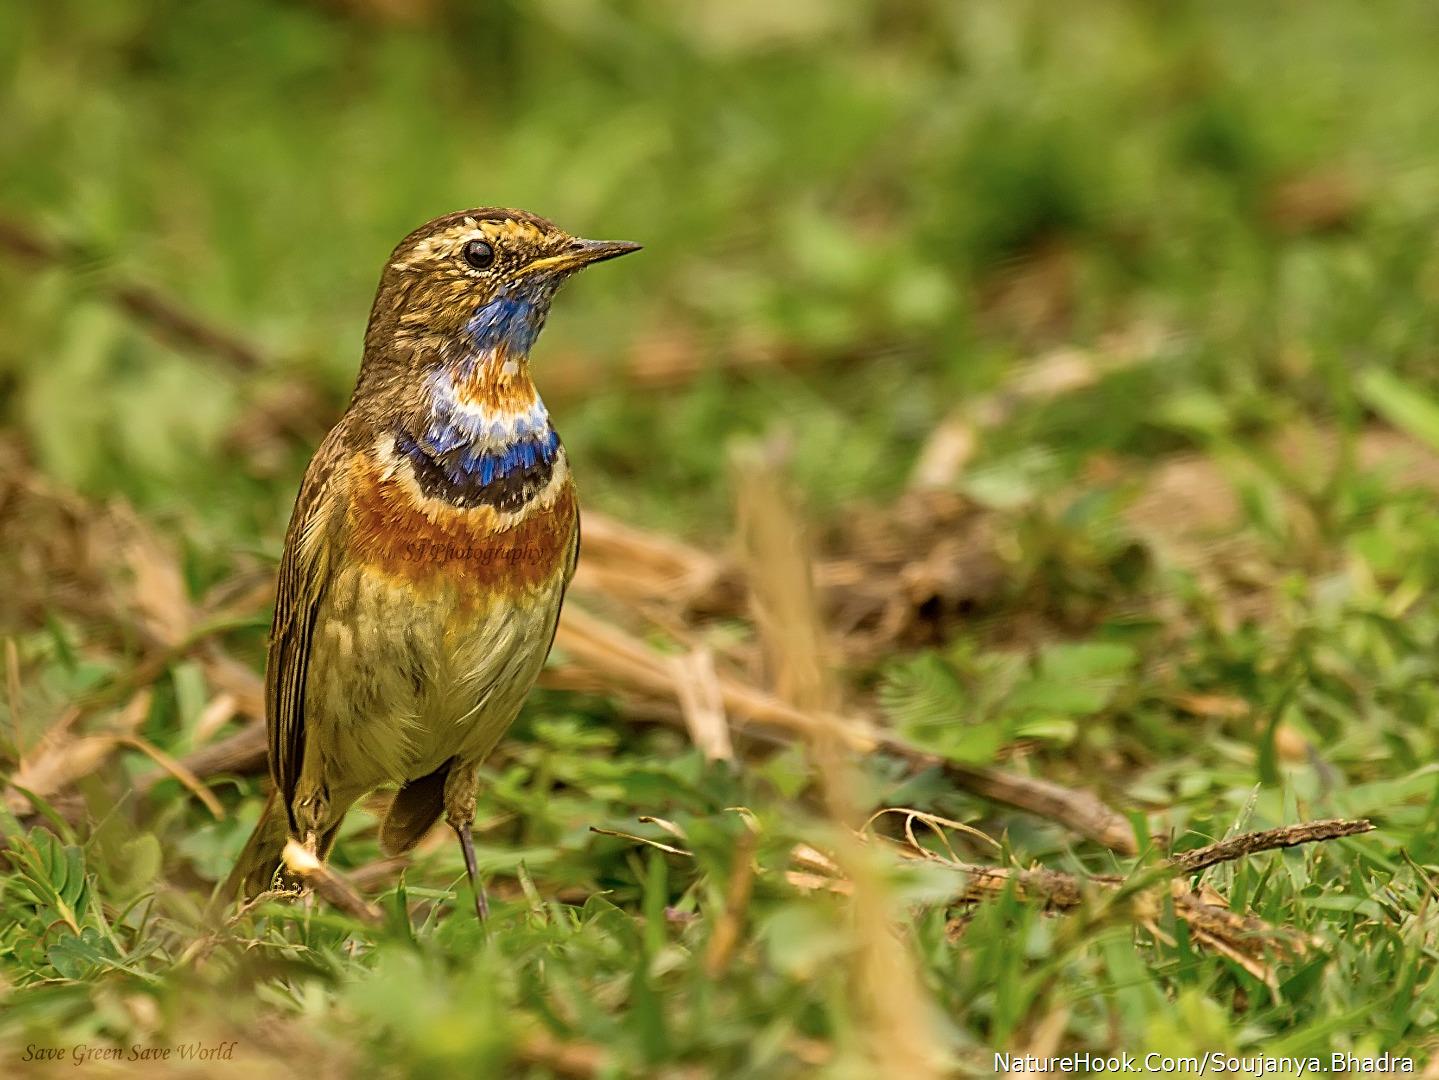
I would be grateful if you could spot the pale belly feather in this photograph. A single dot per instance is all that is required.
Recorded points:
(400, 682)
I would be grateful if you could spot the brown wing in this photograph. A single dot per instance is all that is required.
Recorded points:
(304, 575)
(570, 564)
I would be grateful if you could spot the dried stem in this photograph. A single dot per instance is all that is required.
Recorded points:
(329, 884)
(731, 921)
(157, 314)
(1061, 890)
(890, 992)
(1236, 847)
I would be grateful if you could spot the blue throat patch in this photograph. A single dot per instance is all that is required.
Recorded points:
(503, 475)
(467, 466)
(513, 319)
(469, 460)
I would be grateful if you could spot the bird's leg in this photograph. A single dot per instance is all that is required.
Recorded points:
(312, 813)
(317, 820)
(461, 787)
(467, 845)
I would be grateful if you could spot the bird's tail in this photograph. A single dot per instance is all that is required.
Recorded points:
(417, 806)
(263, 855)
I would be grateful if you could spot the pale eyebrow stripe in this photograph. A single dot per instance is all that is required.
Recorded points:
(449, 242)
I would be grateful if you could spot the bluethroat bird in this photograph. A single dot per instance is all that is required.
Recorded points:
(428, 553)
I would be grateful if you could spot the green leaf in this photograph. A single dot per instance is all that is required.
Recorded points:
(1059, 696)
(1087, 660)
(1400, 404)
(76, 887)
(78, 956)
(801, 938)
(929, 705)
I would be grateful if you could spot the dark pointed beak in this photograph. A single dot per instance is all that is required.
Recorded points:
(581, 253)
(593, 251)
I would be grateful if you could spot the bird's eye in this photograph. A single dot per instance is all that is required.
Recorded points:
(479, 254)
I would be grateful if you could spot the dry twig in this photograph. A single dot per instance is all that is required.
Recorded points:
(1244, 939)
(575, 1060)
(1236, 847)
(1060, 890)
(890, 991)
(731, 921)
(625, 663)
(329, 884)
(156, 313)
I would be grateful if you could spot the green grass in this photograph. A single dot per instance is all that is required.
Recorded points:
(905, 204)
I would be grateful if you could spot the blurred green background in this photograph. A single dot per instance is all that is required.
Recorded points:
(861, 220)
(848, 187)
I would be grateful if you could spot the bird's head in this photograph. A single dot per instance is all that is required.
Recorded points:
(475, 285)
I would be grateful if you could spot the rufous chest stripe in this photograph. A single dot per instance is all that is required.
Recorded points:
(466, 550)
